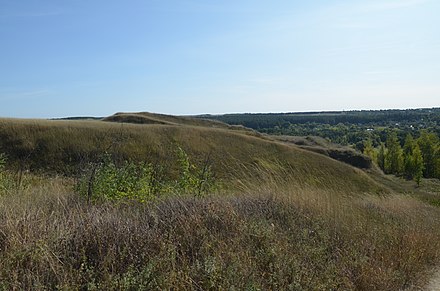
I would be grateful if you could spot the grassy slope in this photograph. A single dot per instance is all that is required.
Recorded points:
(262, 239)
(63, 145)
(295, 224)
(155, 118)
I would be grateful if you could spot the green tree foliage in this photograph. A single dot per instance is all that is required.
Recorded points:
(417, 164)
(437, 163)
(408, 149)
(369, 150)
(408, 145)
(344, 127)
(381, 157)
(394, 155)
(429, 144)
(413, 160)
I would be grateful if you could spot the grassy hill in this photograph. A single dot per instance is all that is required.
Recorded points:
(65, 146)
(287, 218)
(154, 118)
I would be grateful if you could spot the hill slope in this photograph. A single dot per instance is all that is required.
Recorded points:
(66, 146)
(293, 224)
(155, 118)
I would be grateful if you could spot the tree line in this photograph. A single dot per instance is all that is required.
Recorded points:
(342, 127)
(417, 158)
(266, 121)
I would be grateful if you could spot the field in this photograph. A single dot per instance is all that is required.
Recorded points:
(280, 217)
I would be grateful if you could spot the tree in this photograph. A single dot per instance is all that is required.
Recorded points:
(408, 145)
(381, 157)
(428, 143)
(408, 164)
(417, 164)
(369, 150)
(437, 163)
(394, 155)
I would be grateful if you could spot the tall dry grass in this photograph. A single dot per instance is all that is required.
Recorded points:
(64, 147)
(269, 236)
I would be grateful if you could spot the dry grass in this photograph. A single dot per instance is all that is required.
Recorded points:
(287, 218)
(263, 238)
(155, 118)
(66, 146)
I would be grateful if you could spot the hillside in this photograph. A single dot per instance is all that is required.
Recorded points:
(154, 118)
(66, 146)
(287, 216)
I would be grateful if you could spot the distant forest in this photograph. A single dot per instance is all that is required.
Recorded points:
(342, 127)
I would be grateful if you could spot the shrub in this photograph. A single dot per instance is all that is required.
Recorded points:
(143, 182)
(194, 180)
(132, 181)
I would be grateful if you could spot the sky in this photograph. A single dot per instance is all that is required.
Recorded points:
(95, 58)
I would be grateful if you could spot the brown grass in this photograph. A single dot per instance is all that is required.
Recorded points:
(66, 146)
(263, 238)
(155, 118)
(286, 218)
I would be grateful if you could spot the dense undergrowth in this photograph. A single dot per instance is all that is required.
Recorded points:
(269, 236)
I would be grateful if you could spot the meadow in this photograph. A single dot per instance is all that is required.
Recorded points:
(279, 218)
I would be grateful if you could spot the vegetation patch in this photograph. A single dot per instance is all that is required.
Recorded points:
(144, 182)
(302, 239)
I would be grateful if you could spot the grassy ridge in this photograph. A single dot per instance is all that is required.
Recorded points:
(155, 118)
(66, 146)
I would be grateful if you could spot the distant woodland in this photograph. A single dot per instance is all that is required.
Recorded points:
(401, 142)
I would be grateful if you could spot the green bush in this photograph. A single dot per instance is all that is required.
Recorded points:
(131, 181)
(143, 182)
(194, 180)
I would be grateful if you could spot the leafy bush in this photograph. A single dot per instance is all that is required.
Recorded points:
(143, 182)
(132, 181)
(194, 180)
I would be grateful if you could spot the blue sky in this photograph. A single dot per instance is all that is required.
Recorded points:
(78, 57)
